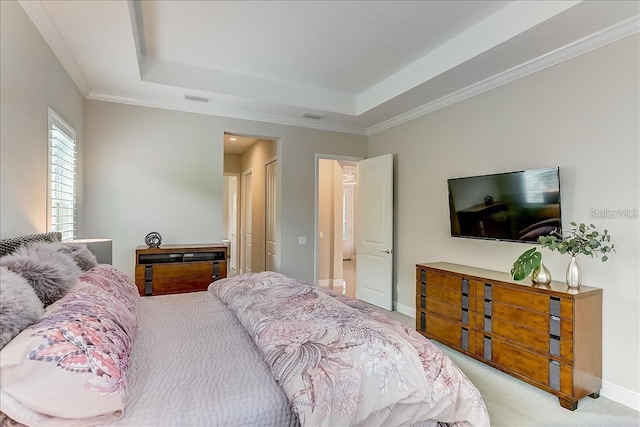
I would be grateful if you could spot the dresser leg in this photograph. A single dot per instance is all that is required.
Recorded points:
(568, 404)
(595, 394)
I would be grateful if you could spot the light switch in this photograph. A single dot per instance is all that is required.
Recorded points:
(321, 234)
(302, 240)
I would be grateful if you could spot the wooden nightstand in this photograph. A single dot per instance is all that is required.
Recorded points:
(172, 269)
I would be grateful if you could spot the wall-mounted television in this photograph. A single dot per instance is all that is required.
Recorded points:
(513, 206)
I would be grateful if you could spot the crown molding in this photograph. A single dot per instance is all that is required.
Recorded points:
(594, 41)
(233, 114)
(35, 11)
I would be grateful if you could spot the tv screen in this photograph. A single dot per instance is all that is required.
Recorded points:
(513, 206)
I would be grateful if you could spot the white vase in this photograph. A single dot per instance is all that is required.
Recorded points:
(574, 275)
(541, 275)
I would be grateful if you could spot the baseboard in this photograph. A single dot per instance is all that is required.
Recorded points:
(405, 309)
(327, 283)
(621, 395)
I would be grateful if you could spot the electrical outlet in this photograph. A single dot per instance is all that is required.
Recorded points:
(302, 240)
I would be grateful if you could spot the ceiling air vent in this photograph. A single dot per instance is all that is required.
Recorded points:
(315, 116)
(197, 98)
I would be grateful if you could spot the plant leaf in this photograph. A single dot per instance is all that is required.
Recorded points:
(525, 264)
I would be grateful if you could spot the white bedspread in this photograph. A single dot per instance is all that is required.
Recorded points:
(193, 364)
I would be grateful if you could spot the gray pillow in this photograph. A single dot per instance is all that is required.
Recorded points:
(12, 244)
(20, 307)
(50, 272)
(78, 251)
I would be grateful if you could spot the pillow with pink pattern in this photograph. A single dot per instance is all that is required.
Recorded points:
(72, 366)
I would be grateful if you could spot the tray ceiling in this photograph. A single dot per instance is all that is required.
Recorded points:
(361, 66)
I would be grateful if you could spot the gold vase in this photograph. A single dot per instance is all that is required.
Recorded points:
(541, 275)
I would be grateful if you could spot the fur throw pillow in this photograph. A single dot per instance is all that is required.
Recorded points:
(78, 251)
(20, 307)
(50, 272)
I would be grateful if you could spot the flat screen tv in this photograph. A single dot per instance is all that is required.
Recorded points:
(513, 206)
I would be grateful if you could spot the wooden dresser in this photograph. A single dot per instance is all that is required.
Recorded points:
(549, 336)
(172, 269)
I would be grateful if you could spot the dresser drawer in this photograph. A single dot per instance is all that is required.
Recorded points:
(454, 334)
(444, 294)
(453, 312)
(530, 337)
(456, 283)
(493, 312)
(529, 364)
(445, 280)
(529, 300)
(520, 316)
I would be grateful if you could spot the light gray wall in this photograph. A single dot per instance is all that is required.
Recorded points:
(158, 170)
(580, 115)
(31, 80)
(151, 170)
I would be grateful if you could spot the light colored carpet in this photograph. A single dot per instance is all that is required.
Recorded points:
(514, 403)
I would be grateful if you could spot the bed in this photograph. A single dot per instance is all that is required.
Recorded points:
(258, 349)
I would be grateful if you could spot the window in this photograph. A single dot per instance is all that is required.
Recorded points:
(61, 178)
(537, 182)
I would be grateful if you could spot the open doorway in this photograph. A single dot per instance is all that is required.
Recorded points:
(336, 192)
(247, 158)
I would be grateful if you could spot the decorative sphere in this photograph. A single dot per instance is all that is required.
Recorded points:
(153, 239)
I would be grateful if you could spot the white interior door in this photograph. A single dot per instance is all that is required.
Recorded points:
(247, 209)
(374, 249)
(270, 216)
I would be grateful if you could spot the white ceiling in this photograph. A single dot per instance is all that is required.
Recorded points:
(363, 66)
(237, 144)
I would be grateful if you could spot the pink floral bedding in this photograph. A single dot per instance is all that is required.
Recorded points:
(343, 363)
(72, 367)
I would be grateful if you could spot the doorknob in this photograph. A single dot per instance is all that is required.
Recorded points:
(388, 251)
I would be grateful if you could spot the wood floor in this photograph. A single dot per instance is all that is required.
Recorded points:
(348, 285)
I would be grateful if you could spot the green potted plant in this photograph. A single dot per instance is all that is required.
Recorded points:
(581, 239)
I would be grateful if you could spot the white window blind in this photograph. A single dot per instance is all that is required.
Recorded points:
(62, 188)
(536, 182)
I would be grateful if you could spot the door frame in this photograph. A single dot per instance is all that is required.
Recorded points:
(275, 219)
(246, 216)
(319, 157)
(235, 254)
